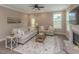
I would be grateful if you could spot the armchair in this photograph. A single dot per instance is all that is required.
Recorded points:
(50, 31)
(41, 29)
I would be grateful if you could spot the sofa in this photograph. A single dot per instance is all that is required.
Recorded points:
(27, 36)
(24, 35)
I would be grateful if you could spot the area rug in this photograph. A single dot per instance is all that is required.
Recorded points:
(51, 45)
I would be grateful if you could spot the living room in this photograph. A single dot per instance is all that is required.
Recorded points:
(47, 22)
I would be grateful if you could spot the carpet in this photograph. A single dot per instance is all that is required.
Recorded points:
(51, 45)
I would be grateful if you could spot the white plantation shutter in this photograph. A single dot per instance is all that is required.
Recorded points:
(57, 21)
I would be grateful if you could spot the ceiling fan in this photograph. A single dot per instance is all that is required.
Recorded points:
(36, 6)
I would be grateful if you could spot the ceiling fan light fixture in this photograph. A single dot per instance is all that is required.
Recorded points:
(37, 7)
(36, 10)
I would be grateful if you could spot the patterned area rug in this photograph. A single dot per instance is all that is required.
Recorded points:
(51, 45)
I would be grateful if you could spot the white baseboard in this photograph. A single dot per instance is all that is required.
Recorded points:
(60, 33)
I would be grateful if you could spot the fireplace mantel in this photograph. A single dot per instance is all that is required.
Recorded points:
(69, 46)
(75, 28)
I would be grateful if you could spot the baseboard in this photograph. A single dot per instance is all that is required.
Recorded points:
(63, 35)
(60, 33)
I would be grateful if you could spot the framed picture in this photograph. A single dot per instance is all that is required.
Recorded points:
(13, 20)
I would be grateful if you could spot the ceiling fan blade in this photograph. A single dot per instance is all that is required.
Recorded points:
(33, 8)
(38, 8)
(41, 7)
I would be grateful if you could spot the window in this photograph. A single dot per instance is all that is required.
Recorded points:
(70, 20)
(67, 22)
(32, 22)
(57, 21)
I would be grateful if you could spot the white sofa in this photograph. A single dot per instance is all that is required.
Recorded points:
(24, 36)
(27, 36)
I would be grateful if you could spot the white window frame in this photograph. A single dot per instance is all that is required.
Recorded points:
(60, 22)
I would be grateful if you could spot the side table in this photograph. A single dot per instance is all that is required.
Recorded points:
(11, 42)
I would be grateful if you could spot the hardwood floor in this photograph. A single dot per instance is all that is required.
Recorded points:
(3, 50)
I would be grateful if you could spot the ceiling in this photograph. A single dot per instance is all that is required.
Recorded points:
(26, 9)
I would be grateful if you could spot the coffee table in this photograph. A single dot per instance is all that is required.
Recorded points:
(40, 37)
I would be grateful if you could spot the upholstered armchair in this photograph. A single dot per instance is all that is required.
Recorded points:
(50, 31)
(41, 29)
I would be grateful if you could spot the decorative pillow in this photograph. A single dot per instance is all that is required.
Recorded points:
(50, 28)
(32, 28)
(41, 28)
(24, 29)
(21, 32)
(15, 31)
(18, 32)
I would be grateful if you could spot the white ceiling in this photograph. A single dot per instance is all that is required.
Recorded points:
(26, 9)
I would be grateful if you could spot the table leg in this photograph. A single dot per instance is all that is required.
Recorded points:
(11, 44)
(6, 43)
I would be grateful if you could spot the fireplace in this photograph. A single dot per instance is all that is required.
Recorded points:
(76, 39)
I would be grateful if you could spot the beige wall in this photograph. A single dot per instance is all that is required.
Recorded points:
(6, 28)
(25, 20)
(64, 20)
(43, 19)
(46, 19)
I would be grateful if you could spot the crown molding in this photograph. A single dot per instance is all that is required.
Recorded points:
(11, 8)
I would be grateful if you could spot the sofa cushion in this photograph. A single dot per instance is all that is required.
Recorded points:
(27, 36)
(32, 28)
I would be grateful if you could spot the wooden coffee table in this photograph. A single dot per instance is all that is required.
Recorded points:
(40, 37)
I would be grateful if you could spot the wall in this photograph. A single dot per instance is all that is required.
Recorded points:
(25, 21)
(46, 18)
(70, 8)
(43, 19)
(6, 28)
